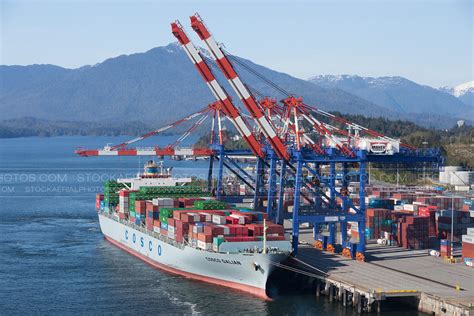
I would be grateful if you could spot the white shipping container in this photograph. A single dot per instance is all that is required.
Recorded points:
(444, 177)
(398, 207)
(171, 229)
(203, 245)
(170, 234)
(164, 202)
(470, 231)
(218, 219)
(410, 207)
(462, 188)
(156, 229)
(468, 239)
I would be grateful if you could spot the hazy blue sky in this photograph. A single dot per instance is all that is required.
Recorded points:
(430, 42)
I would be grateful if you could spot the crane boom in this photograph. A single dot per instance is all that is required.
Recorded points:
(162, 129)
(242, 91)
(219, 92)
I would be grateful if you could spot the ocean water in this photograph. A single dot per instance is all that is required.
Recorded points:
(54, 260)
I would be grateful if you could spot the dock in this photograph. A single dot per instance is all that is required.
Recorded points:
(390, 273)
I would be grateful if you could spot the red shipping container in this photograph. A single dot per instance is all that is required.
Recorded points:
(140, 207)
(275, 229)
(238, 230)
(207, 238)
(178, 213)
(255, 229)
(248, 218)
(185, 217)
(467, 250)
(98, 198)
(180, 225)
(240, 238)
(156, 223)
(124, 193)
(270, 238)
(171, 222)
(179, 234)
(213, 230)
(178, 238)
(148, 205)
(231, 220)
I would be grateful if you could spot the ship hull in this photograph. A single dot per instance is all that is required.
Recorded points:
(245, 272)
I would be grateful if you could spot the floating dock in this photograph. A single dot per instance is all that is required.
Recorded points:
(391, 274)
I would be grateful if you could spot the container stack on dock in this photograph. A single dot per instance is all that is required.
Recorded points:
(376, 222)
(415, 218)
(413, 232)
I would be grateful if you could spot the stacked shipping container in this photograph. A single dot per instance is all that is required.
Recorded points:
(203, 223)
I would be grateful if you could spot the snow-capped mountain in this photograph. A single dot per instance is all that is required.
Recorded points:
(398, 94)
(464, 92)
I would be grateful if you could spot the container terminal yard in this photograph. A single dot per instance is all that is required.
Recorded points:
(306, 170)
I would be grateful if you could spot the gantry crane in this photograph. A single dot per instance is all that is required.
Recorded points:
(294, 139)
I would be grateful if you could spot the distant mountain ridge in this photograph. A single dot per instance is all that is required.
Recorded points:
(154, 86)
(398, 94)
(464, 92)
(158, 86)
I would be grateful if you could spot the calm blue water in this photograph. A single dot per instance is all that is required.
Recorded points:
(54, 259)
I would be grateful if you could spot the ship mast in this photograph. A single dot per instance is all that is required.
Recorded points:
(265, 227)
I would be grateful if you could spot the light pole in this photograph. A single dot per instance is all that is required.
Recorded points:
(452, 223)
(425, 143)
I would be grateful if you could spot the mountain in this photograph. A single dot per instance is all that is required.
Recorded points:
(464, 92)
(398, 94)
(158, 86)
(155, 86)
(29, 126)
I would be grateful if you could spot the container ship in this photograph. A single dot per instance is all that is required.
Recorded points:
(180, 228)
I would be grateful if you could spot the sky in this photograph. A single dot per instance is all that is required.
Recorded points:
(429, 42)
